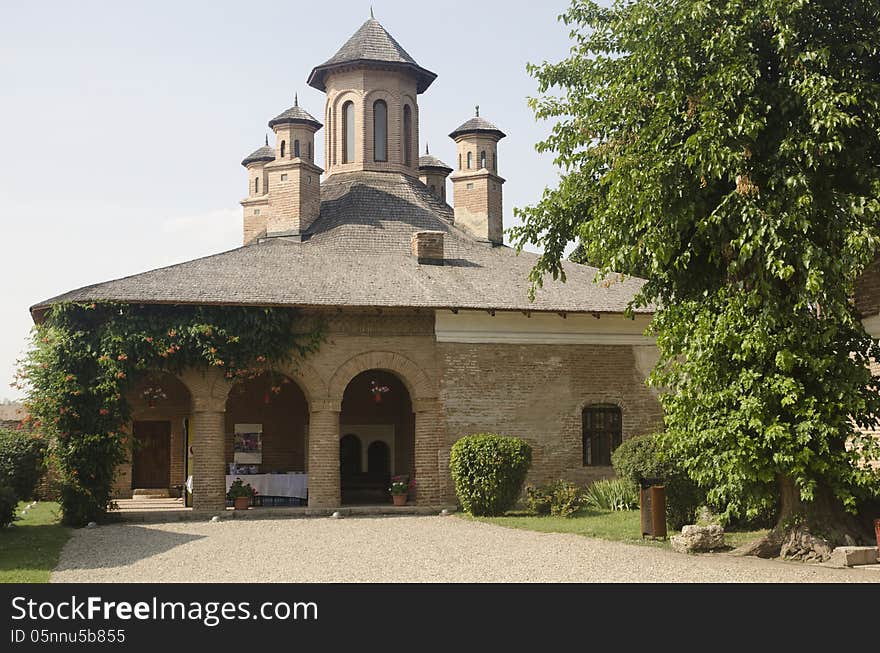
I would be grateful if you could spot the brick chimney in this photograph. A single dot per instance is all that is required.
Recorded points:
(427, 247)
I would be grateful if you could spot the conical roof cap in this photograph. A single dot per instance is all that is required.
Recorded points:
(372, 44)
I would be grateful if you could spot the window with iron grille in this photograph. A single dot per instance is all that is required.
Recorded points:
(602, 432)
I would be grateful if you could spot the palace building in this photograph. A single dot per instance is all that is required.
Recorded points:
(431, 334)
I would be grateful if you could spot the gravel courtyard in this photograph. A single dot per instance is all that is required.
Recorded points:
(395, 549)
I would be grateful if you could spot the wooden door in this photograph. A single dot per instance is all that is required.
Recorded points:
(151, 463)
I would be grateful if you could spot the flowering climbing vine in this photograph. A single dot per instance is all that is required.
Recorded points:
(85, 359)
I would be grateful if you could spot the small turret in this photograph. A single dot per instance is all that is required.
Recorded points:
(476, 184)
(433, 173)
(256, 204)
(293, 179)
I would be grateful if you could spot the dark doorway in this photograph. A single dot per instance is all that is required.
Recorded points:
(151, 462)
(349, 455)
(379, 460)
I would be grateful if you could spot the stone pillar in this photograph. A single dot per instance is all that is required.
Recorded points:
(427, 444)
(324, 485)
(208, 389)
(209, 474)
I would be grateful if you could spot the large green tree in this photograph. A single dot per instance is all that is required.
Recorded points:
(729, 153)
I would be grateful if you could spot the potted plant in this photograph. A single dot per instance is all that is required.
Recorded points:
(241, 494)
(400, 487)
(377, 391)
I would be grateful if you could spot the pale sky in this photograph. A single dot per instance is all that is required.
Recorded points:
(123, 124)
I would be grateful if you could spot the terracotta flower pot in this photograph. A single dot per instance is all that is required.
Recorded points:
(241, 503)
(399, 499)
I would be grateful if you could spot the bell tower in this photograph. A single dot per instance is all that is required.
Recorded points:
(372, 112)
(475, 182)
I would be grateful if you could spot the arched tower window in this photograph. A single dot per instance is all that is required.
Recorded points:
(470, 160)
(494, 162)
(483, 159)
(310, 150)
(602, 433)
(296, 148)
(459, 160)
(348, 132)
(283, 147)
(407, 135)
(257, 186)
(380, 131)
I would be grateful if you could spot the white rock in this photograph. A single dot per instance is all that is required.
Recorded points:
(215, 518)
(696, 539)
(336, 515)
(444, 513)
(92, 524)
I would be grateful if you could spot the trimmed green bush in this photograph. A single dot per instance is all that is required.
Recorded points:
(8, 504)
(21, 461)
(612, 494)
(559, 498)
(644, 457)
(489, 471)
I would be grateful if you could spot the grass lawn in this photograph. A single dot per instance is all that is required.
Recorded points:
(30, 548)
(620, 526)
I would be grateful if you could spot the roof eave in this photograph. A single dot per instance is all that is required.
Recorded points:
(424, 77)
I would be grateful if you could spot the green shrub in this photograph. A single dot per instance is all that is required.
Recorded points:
(566, 499)
(612, 494)
(21, 460)
(559, 498)
(8, 504)
(538, 499)
(489, 471)
(644, 457)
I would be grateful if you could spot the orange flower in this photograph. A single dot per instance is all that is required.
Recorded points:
(104, 411)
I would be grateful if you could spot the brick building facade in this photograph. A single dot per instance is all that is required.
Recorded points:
(431, 334)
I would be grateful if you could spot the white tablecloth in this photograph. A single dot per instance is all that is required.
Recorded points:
(293, 484)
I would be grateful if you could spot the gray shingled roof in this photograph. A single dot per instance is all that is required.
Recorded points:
(265, 153)
(372, 44)
(295, 114)
(477, 125)
(359, 255)
(430, 161)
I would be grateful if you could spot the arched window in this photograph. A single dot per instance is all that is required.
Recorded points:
(348, 132)
(283, 146)
(483, 159)
(602, 433)
(380, 131)
(296, 153)
(494, 162)
(459, 160)
(433, 190)
(310, 150)
(257, 186)
(407, 135)
(470, 160)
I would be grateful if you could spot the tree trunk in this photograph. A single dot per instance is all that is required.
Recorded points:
(807, 531)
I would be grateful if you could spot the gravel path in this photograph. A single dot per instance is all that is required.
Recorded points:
(395, 549)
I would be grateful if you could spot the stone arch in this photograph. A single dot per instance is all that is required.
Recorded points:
(417, 382)
(308, 379)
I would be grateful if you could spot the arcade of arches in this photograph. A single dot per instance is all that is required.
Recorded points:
(184, 434)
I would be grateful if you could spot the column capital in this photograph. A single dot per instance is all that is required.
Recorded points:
(325, 405)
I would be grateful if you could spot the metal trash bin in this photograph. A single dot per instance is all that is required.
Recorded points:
(652, 507)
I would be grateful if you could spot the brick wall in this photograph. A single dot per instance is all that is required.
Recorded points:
(868, 290)
(537, 392)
